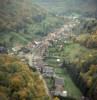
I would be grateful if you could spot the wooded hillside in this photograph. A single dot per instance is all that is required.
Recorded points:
(21, 21)
(18, 82)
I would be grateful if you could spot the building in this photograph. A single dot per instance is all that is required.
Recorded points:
(3, 49)
(59, 87)
(59, 82)
(24, 50)
(39, 67)
(48, 71)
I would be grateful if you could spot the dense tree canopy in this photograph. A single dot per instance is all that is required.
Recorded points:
(18, 82)
(22, 20)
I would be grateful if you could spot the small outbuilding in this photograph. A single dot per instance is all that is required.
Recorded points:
(48, 71)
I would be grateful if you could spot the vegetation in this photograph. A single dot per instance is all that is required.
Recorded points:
(89, 41)
(65, 7)
(81, 65)
(87, 25)
(80, 61)
(69, 85)
(18, 82)
(22, 21)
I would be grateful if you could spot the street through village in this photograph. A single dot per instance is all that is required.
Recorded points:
(35, 58)
(42, 46)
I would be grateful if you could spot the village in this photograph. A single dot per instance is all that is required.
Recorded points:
(34, 53)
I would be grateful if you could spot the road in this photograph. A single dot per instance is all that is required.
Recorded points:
(39, 49)
(36, 57)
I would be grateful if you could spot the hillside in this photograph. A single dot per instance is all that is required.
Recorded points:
(68, 6)
(79, 54)
(80, 61)
(21, 21)
(18, 82)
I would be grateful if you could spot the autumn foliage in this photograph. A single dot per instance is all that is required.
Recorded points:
(18, 82)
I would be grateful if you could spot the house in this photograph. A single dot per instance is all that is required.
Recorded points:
(3, 49)
(48, 71)
(60, 93)
(39, 67)
(37, 42)
(24, 50)
(59, 82)
(59, 87)
(38, 64)
(16, 48)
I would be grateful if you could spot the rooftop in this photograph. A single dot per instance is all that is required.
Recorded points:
(59, 81)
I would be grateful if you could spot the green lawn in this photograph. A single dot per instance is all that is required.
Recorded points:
(69, 85)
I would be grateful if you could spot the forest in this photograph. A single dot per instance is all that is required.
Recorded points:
(56, 34)
(18, 81)
(21, 21)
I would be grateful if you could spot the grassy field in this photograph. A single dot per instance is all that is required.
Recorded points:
(53, 54)
(79, 56)
(69, 85)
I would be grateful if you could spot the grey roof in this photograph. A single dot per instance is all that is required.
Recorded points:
(48, 69)
(59, 81)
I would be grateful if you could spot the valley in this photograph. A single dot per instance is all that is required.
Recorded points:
(40, 59)
(48, 50)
